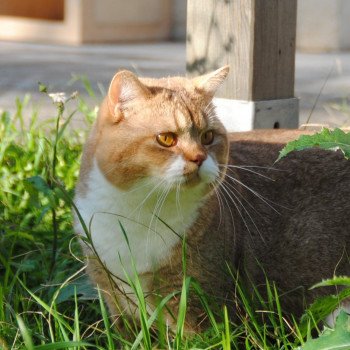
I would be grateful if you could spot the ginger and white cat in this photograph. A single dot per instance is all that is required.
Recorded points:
(159, 166)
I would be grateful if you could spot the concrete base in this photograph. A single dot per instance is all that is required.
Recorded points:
(248, 115)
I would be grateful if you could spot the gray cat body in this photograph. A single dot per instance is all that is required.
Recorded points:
(286, 222)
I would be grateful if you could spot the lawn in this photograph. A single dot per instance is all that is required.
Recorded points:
(46, 301)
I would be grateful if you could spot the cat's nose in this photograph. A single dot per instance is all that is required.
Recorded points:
(199, 159)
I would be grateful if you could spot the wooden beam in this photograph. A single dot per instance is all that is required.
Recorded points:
(274, 49)
(257, 39)
(39, 9)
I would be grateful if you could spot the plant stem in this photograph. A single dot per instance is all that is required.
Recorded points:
(54, 240)
(51, 182)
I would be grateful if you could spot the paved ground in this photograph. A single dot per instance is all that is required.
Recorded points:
(22, 65)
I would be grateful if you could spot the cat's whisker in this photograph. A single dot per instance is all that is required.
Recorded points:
(157, 211)
(220, 194)
(137, 188)
(161, 204)
(231, 168)
(151, 221)
(262, 198)
(240, 194)
(178, 203)
(139, 207)
(158, 206)
(229, 192)
(251, 167)
(228, 206)
(219, 202)
(236, 194)
(112, 168)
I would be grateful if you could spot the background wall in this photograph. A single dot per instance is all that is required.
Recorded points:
(323, 25)
(178, 27)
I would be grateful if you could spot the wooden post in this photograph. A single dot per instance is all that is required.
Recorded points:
(257, 39)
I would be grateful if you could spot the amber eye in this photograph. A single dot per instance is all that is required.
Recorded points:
(207, 138)
(167, 139)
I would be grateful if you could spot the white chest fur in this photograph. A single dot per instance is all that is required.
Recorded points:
(149, 241)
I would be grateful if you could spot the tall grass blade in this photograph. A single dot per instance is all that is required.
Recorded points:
(67, 345)
(135, 285)
(76, 335)
(180, 325)
(106, 321)
(152, 319)
(226, 339)
(50, 309)
(199, 292)
(25, 333)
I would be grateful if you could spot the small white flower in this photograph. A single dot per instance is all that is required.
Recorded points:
(74, 95)
(58, 97)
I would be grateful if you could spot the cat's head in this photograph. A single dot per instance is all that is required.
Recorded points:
(162, 131)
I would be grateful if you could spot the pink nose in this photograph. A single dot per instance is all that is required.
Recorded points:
(199, 159)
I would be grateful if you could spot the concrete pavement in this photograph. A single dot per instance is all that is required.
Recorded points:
(22, 65)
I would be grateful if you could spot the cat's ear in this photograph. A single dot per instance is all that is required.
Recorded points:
(124, 88)
(209, 83)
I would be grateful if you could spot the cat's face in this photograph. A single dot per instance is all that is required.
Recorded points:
(161, 131)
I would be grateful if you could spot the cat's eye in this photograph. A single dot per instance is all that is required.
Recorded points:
(167, 139)
(208, 137)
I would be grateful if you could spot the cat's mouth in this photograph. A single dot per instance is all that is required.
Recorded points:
(192, 179)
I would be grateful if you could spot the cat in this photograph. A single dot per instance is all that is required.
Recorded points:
(159, 169)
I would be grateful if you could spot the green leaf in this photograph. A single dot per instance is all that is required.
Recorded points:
(82, 288)
(39, 184)
(332, 339)
(35, 185)
(333, 140)
(33, 194)
(335, 281)
(27, 265)
(42, 87)
(321, 308)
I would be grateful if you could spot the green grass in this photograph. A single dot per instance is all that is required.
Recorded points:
(46, 301)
